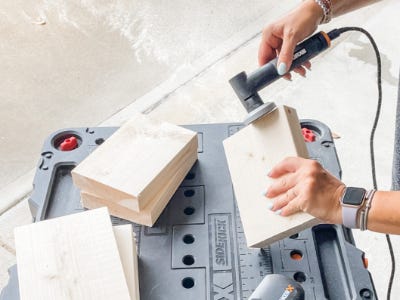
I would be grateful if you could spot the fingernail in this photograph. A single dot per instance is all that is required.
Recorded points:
(288, 79)
(278, 212)
(270, 205)
(268, 172)
(282, 68)
(303, 75)
(264, 193)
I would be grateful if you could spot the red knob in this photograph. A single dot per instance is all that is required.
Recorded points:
(308, 135)
(69, 144)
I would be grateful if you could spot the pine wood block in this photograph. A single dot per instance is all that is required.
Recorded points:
(71, 257)
(149, 215)
(136, 161)
(127, 251)
(250, 153)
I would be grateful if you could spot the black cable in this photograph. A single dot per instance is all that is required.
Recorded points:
(334, 34)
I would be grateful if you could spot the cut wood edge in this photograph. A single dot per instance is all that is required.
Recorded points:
(139, 202)
(284, 234)
(295, 131)
(86, 185)
(128, 254)
(149, 192)
(93, 202)
(149, 215)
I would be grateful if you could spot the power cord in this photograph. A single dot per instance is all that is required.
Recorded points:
(334, 34)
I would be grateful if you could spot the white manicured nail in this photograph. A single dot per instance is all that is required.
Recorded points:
(282, 69)
(278, 212)
(270, 205)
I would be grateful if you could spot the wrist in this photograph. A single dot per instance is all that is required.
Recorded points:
(326, 7)
(356, 203)
(364, 213)
(337, 196)
(315, 11)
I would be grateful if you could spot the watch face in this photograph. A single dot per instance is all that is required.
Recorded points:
(354, 196)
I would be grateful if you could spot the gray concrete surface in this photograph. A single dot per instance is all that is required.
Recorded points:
(75, 63)
(94, 63)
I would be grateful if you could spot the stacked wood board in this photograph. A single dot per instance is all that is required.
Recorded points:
(79, 256)
(136, 171)
(250, 153)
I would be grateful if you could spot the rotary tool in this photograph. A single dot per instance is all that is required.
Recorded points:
(247, 87)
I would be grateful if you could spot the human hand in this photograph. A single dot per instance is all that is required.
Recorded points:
(282, 36)
(303, 185)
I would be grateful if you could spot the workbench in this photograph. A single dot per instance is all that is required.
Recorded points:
(197, 248)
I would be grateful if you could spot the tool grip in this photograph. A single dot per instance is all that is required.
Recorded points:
(304, 51)
(310, 48)
(247, 87)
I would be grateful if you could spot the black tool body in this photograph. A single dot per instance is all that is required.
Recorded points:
(247, 87)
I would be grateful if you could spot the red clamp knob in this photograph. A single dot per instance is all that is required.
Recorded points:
(69, 144)
(308, 135)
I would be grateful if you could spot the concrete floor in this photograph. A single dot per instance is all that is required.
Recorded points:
(70, 63)
(76, 63)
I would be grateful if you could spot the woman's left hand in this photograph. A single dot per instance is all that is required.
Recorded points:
(303, 185)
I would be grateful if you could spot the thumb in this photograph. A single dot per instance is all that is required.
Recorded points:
(286, 54)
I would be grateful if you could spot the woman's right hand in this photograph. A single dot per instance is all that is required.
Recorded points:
(281, 37)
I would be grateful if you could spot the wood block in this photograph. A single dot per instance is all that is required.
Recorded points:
(127, 251)
(149, 215)
(71, 257)
(136, 161)
(250, 153)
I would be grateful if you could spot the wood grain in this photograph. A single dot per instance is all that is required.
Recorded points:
(250, 153)
(71, 257)
(136, 161)
(148, 215)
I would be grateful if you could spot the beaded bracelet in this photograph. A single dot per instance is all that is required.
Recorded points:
(326, 6)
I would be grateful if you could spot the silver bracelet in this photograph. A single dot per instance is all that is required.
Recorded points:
(364, 213)
(326, 6)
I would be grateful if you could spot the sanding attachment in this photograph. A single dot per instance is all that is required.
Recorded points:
(260, 111)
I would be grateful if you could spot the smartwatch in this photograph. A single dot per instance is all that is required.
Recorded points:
(352, 200)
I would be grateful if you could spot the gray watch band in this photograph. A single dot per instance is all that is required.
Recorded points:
(349, 215)
(352, 201)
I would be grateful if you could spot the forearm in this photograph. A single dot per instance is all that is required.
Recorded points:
(340, 7)
(384, 215)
